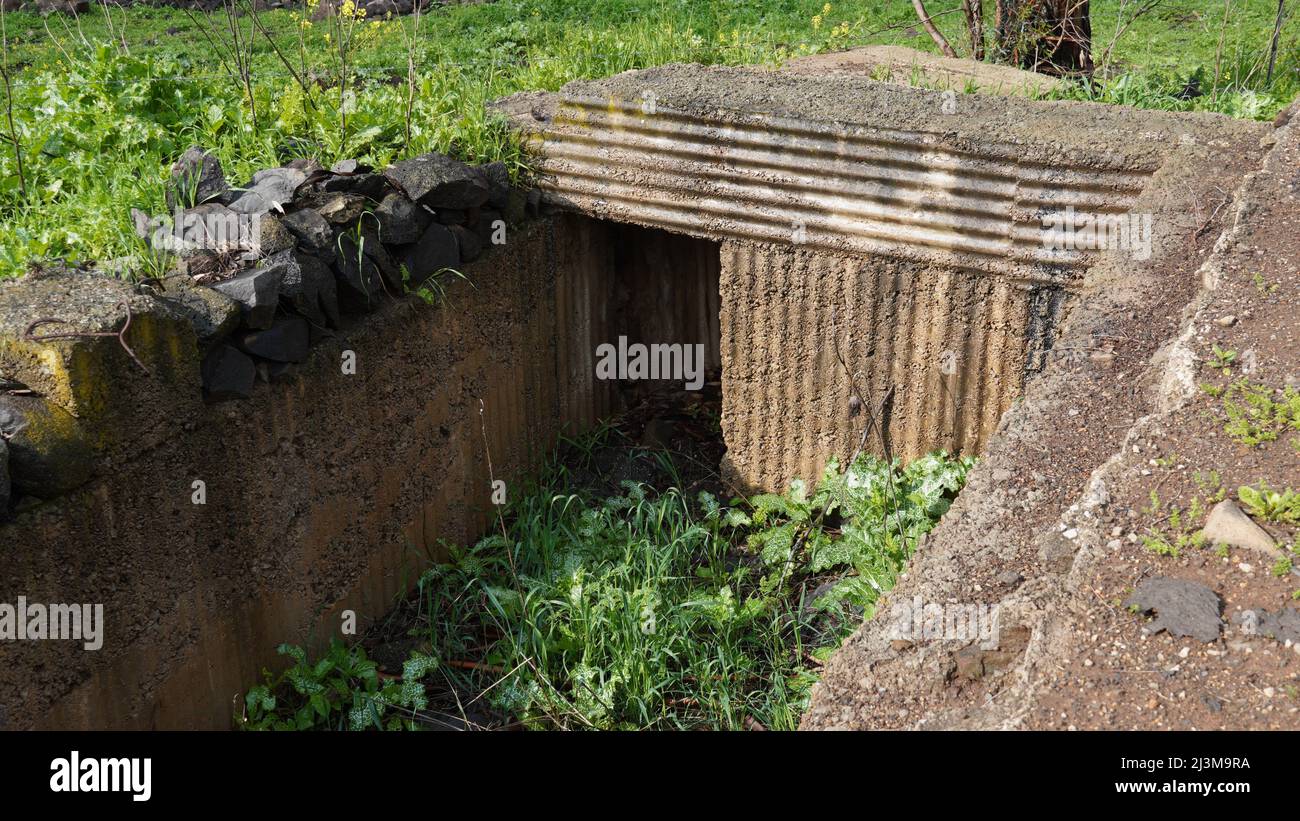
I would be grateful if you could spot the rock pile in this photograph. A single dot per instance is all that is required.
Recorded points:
(269, 267)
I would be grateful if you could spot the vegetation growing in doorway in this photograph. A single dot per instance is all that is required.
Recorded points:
(639, 609)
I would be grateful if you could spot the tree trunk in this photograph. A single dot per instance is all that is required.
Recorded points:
(1048, 36)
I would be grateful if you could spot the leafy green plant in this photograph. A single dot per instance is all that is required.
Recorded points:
(340, 691)
(1263, 502)
(1263, 286)
(1254, 416)
(433, 291)
(1176, 528)
(1222, 359)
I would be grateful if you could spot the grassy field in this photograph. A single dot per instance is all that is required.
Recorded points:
(102, 104)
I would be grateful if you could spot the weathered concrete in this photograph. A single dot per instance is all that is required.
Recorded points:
(952, 344)
(324, 491)
(907, 66)
(907, 225)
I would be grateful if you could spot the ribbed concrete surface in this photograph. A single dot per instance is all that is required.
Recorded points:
(867, 190)
(907, 223)
(952, 343)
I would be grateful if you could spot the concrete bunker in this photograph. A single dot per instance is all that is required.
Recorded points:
(769, 217)
(937, 240)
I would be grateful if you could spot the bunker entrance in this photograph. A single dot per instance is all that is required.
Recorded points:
(660, 359)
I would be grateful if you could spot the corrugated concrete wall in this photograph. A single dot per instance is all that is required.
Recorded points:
(932, 234)
(325, 493)
(951, 343)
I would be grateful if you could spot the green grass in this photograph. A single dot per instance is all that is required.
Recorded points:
(637, 610)
(104, 103)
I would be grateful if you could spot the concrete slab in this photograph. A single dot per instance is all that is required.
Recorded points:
(907, 66)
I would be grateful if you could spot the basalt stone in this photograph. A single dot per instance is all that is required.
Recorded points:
(257, 292)
(468, 243)
(305, 164)
(210, 228)
(1181, 607)
(228, 373)
(436, 249)
(285, 341)
(49, 452)
(75, 7)
(439, 182)
(384, 261)
(516, 209)
(370, 186)
(360, 281)
(314, 233)
(273, 236)
(213, 314)
(307, 286)
(498, 180)
(452, 216)
(196, 178)
(400, 220)
(271, 190)
(534, 202)
(341, 209)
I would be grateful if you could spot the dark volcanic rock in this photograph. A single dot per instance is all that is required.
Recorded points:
(1183, 608)
(285, 341)
(436, 249)
(307, 286)
(361, 283)
(468, 242)
(196, 178)
(339, 208)
(315, 234)
(486, 226)
(516, 208)
(228, 373)
(273, 236)
(378, 254)
(1282, 624)
(257, 292)
(439, 182)
(370, 186)
(498, 180)
(400, 220)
